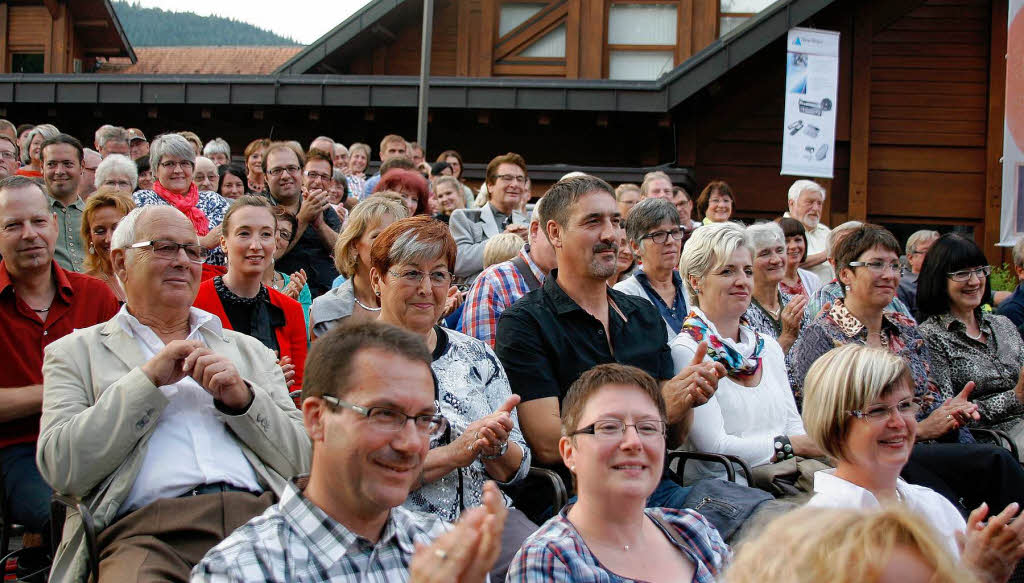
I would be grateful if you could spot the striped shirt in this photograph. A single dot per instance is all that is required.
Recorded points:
(295, 540)
(495, 289)
(557, 552)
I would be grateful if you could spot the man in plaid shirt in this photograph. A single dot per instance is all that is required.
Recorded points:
(344, 521)
(499, 286)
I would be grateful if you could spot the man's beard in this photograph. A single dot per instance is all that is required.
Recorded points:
(600, 269)
(810, 221)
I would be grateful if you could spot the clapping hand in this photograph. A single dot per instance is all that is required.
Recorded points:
(694, 385)
(993, 549)
(285, 362)
(295, 284)
(466, 553)
(487, 434)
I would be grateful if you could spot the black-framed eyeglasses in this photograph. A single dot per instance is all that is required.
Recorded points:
(384, 419)
(661, 237)
(608, 429)
(184, 164)
(518, 178)
(275, 172)
(313, 175)
(879, 267)
(169, 249)
(965, 274)
(878, 413)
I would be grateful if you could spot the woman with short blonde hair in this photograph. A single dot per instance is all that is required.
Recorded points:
(860, 408)
(502, 247)
(355, 297)
(846, 546)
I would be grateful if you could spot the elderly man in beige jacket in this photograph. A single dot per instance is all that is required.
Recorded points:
(172, 430)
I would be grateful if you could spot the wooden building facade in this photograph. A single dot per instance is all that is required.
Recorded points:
(920, 107)
(59, 36)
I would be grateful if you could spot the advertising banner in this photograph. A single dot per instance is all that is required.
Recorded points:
(1011, 224)
(812, 79)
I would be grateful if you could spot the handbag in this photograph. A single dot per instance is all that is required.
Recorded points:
(787, 478)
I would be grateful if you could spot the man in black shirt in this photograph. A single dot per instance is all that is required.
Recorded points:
(299, 186)
(552, 335)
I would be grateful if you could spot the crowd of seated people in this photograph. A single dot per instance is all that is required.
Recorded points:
(282, 366)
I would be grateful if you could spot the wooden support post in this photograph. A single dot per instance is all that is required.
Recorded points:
(994, 141)
(860, 112)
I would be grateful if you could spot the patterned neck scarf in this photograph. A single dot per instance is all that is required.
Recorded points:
(741, 359)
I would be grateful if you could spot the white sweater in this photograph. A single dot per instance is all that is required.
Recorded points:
(739, 420)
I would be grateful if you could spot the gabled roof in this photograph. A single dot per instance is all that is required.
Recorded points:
(100, 30)
(233, 60)
(659, 96)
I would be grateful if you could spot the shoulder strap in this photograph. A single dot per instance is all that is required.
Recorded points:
(531, 280)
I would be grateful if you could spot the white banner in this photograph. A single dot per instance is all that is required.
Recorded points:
(1011, 223)
(812, 78)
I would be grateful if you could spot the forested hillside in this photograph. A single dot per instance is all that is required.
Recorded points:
(154, 27)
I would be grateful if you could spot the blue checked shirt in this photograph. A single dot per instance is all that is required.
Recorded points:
(296, 541)
(557, 553)
(495, 289)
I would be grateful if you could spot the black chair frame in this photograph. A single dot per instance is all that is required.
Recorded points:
(59, 505)
(728, 461)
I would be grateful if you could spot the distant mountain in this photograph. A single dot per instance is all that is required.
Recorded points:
(154, 27)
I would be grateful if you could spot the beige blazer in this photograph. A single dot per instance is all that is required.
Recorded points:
(99, 410)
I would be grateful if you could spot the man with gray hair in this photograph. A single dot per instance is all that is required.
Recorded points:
(7, 129)
(90, 162)
(917, 247)
(833, 290)
(171, 428)
(501, 285)
(10, 156)
(112, 140)
(1013, 307)
(805, 200)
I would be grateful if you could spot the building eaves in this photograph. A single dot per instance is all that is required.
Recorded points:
(120, 30)
(333, 91)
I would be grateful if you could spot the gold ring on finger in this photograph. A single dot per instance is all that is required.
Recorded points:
(441, 554)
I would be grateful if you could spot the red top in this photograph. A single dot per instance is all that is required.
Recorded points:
(291, 338)
(81, 301)
(26, 171)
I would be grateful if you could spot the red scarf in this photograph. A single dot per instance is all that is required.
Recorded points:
(186, 203)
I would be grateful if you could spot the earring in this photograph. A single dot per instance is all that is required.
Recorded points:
(847, 288)
(92, 250)
(572, 468)
(377, 292)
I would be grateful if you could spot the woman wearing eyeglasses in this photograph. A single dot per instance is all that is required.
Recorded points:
(946, 457)
(859, 406)
(411, 263)
(240, 299)
(173, 159)
(613, 442)
(966, 342)
(654, 233)
(773, 311)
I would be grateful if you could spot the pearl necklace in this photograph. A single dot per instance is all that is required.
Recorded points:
(364, 306)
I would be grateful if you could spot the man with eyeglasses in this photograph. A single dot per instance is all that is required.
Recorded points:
(62, 171)
(917, 247)
(369, 406)
(301, 186)
(471, 228)
(172, 429)
(9, 163)
(39, 303)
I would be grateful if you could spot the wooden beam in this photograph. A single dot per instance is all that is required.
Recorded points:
(860, 112)
(572, 40)
(531, 30)
(592, 37)
(488, 34)
(463, 33)
(51, 6)
(5, 60)
(684, 30)
(994, 143)
(99, 23)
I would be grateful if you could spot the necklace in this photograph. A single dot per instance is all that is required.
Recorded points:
(364, 306)
(973, 337)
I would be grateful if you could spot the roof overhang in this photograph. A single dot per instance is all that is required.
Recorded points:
(100, 30)
(497, 93)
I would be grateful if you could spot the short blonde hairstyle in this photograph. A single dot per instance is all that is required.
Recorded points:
(840, 545)
(624, 188)
(365, 216)
(651, 177)
(709, 248)
(360, 147)
(847, 379)
(502, 247)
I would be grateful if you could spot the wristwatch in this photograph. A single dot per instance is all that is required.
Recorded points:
(501, 451)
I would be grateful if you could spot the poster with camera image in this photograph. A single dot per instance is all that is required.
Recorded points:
(812, 78)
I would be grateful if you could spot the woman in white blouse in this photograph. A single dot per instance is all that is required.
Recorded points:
(753, 408)
(859, 407)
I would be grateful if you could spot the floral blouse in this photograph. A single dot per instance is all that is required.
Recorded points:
(213, 205)
(471, 385)
(993, 364)
(835, 326)
(759, 319)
